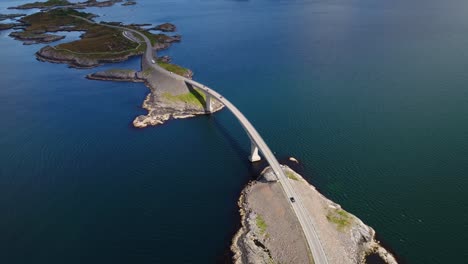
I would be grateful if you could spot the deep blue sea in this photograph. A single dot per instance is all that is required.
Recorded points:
(370, 95)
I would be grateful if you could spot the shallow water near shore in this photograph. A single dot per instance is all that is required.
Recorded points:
(370, 97)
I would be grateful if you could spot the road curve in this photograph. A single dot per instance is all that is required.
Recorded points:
(305, 220)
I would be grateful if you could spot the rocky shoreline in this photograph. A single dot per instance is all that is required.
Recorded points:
(269, 235)
(117, 75)
(166, 27)
(53, 55)
(160, 109)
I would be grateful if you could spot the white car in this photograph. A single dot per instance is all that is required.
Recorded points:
(152, 61)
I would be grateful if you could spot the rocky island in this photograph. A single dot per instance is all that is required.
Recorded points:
(64, 3)
(271, 233)
(109, 42)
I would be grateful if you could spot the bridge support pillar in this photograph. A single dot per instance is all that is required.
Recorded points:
(209, 105)
(254, 153)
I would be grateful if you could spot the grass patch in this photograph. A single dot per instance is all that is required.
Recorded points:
(261, 224)
(339, 217)
(189, 98)
(150, 36)
(100, 39)
(291, 175)
(173, 68)
(154, 38)
(54, 19)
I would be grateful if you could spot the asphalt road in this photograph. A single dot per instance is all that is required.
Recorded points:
(305, 220)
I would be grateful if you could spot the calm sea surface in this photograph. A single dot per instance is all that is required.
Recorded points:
(370, 95)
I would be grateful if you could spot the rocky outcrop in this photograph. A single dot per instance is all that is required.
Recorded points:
(10, 16)
(161, 110)
(35, 38)
(161, 105)
(75, 60)
(128, 3)
(117, 75)
(64, 3)
(165, 59)
(9, 26)
(166, 27)
(94, 3)
(270, 232)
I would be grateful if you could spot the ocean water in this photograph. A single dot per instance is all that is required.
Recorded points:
(370, 96)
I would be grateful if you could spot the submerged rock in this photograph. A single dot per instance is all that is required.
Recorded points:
(128, 3)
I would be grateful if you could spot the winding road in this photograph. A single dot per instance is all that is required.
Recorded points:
(303, 217)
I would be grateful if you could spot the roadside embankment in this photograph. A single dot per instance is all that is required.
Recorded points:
(271, 233)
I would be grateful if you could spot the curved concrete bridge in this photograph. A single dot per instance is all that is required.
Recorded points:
(257, 143)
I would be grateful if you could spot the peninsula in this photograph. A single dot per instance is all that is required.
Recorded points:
(270, 232)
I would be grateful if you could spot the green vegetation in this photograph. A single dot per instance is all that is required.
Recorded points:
(49, 3)
(100, 39)
(195, 98)
(155, 38)
(261, 224)
(56, 19)
(152, 37)
(173, 68)
(291, 175)
(340, 217)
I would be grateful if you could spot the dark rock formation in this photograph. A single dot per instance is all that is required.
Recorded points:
(166, 27)
(10, 16)
(117, 75)
(35, 38)
(54, 55)
(128, 3)
(165, 59)
(9, 26)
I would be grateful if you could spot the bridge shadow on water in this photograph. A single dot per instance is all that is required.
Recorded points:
(240, 147)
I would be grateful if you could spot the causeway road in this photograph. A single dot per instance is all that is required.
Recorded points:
(306, 222)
